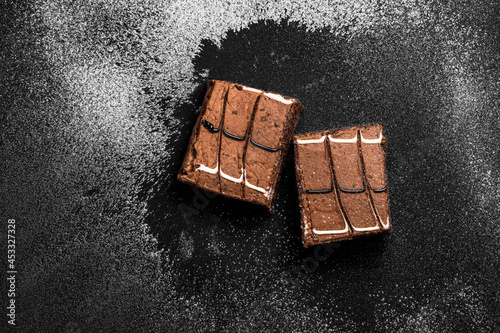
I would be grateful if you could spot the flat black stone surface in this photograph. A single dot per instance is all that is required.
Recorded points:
(95, 121)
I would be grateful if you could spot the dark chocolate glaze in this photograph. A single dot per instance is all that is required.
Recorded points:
(319, 191)
(353, 191)
(362, 160)
(235, 137)
(249, 128)
(378, 190)
(256, 144)
(363, 167)
(210, 127)
(221, 124)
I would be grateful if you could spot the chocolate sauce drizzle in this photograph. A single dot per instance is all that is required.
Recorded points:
(256, 144)
(345, 190)
(363, 167)
(229, 135)
(210, 127)
(319, 191)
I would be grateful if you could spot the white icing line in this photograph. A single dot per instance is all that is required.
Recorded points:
(366, 229)
(330, 232)
(207, 169)
(304, 142)
(252, 89)
(279, 98)
(228, 177)
(353, 140)
(213, 171)
(253, 187)
(377, 140)
(386, 225)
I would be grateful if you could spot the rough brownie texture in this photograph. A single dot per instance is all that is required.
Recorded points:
(342, 184)
(240, 141)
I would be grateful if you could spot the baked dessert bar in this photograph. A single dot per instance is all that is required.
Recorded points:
(239, 143)
(342, 183)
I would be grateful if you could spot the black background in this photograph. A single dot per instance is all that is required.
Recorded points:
(229, 266)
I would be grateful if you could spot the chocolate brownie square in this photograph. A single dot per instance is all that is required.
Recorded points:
(342, 184)
(240, 141)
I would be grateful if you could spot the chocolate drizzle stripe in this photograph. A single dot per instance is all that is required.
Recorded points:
(239, 138)
(353, 191)
(256, 144)
(319, 191)
(245, 148)
(210, 127)
(371, 141)
(220, 138)
(378, 190)
(336, 184)
(363, 167)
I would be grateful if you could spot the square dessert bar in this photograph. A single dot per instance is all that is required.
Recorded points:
(240, 141)
(342, 184)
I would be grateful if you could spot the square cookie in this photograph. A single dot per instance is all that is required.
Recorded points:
(240, 141)
(342, 184)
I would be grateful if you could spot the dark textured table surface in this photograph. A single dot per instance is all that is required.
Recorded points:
(97, 103)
